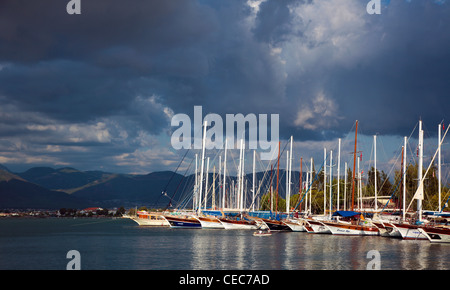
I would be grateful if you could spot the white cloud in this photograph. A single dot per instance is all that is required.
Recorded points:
(321, 112)
(328, 32)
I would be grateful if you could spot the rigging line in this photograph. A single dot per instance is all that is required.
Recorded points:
(392, 195)
(390, 172)
(426, 172)
(445, 203)
(164, 192)
(276, 163)
(179, 183)
(309, 188)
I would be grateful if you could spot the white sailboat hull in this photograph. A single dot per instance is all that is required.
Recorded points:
(410, 232)
(238, 225)
(437, 235)
(147, 222)
(318, 227)
(352, 230)
(295, 226)
(210, 223)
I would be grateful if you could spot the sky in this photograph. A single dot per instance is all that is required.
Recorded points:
(98, 90)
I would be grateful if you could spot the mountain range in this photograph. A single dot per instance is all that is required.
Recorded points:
(50, 188)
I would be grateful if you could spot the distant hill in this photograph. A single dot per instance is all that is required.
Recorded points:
(130, 190)
(18, 193)
(62, 178)
(46, 187)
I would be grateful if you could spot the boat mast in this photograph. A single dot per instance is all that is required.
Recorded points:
(288, 199)
(270, 188)
(220, 179)
(310, 186)
(338, 171)
(375, 165)
(287, 182)
(403, 154)
(206, 183)
(439, 165)
(201, 169)
(324, 181)
(194, 200)
(213, 205)
(254, 180)
(419, 172)
(300, 189)
(354, 164)
(331, 183)
(404, 179)
(278, 175)
(238, 205)
(359, 187)
(224, 175)
(242, 178)
(345, 186)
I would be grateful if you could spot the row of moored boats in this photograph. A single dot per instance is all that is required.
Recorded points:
(348, 223)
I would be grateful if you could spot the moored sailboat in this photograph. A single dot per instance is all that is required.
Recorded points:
(276, 225)
(238, 224)
(186, 222)
(144, 218)
(208, 222)
(354, 225)
(296, 225)
(436, 234)
(314, 226)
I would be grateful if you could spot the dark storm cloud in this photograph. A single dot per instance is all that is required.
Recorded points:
(113, 76)
(406, 76)
(274, 21)
(79, 68)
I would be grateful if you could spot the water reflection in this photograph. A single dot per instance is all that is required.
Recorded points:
(43, 244)
(300, 251)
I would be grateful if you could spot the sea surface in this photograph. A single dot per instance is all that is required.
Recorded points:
(120, 244)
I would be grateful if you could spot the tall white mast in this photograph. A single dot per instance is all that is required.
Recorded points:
(287, 182)
(201, 169)
(375, 164)
(288, 177)
(439, 165)
(238, 198)
(419, 173)
(213, 201)
(224, 175)
(194, 201)
(345, 186)
(324, 181)
(220, 180)
(338, 172)
(331, 182)
(404, 178)
(290, 172)
(306, 186)
(254, 180)
(310, 186)
(206, 183)
(242, 177)
(358, 184)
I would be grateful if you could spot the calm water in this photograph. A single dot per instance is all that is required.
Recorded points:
(121, 244)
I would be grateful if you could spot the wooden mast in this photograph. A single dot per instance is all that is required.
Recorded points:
(354, 164)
